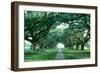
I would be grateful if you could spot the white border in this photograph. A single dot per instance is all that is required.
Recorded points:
(23, 64)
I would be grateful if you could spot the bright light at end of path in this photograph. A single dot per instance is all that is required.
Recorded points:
(60, 45)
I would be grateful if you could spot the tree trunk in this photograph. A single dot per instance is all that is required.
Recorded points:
(82, 46)
(77, 46)
(34, 47)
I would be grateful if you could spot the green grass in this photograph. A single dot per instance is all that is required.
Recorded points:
(76, 54)
(48, 54)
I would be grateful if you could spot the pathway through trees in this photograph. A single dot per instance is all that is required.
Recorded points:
(60, 55)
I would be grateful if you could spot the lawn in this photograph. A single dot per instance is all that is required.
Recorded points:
(50, 54)
(76, 54)
(47, 54)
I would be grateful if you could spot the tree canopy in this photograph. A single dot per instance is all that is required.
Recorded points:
(42, 29)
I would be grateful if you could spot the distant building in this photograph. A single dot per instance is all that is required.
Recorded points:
(60, 45)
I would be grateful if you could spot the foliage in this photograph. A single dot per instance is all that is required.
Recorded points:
(41, 29)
